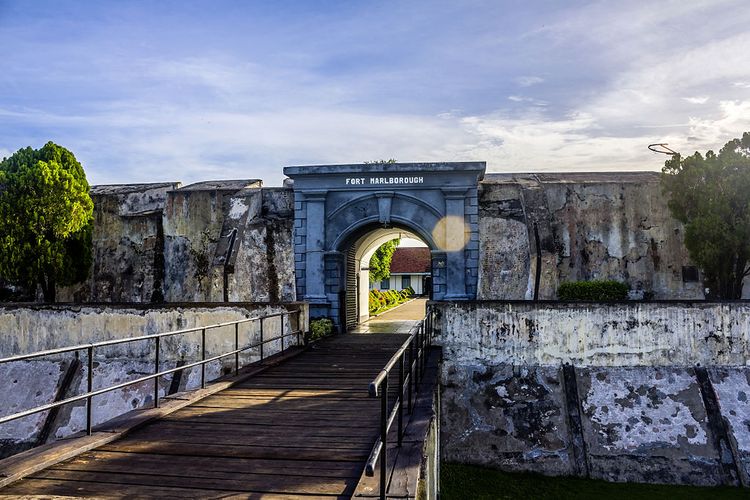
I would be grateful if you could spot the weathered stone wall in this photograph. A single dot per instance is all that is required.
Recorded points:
(616, 392)
(128, 245)
(207, 242)
(35, 382)
(233, 240)
(589, 226)
(263, 266)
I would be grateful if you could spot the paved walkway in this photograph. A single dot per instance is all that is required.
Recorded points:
(398, 320)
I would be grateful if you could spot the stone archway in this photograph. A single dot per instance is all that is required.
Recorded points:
(334, 205)
(356, 254)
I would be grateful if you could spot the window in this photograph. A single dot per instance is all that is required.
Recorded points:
(405, 282)
(690, 274)
(385, 284)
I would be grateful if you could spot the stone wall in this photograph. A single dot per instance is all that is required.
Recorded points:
(207, 242)
(653, 392)
(36, 382)
(128, 245)
(589, 226)
(234, 240)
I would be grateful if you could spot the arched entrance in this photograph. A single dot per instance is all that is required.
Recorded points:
(337, 207)
(358, 251)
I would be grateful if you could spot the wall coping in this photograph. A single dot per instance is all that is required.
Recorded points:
(141, 306)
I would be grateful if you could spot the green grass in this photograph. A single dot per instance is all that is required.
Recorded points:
(470, 482)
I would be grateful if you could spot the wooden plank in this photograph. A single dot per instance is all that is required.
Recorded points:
(209, 450)
(245, 428)
(32, 488)
(134, 462)
(232, 438)
(242, 483)
(267, 417)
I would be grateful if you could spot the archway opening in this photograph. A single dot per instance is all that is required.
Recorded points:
(412, 258)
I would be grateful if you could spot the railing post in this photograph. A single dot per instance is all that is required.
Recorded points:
(236, 348)
(411, 372)
(203, 358)
(261, 338)
(299, 327)
(156, 370)
(282, 332)
(418, 365)
(424, 352)
(384, 437)
(90, 387)
(400, 400)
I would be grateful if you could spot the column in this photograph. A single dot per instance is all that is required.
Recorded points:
(456, 237)
(315, 246)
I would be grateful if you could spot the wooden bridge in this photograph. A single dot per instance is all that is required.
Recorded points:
(302, 427)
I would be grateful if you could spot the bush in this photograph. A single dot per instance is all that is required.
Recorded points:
(597, 290)
(380, 300)
(319, 328)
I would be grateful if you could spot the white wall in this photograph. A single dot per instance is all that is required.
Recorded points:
(618, 334)
(396, 283)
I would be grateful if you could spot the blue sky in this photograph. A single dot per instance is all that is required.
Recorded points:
(188, 91)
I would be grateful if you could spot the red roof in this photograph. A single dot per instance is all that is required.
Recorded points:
(411, 260)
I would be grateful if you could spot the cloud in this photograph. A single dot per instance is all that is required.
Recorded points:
(312, 89)
(530, 100)
(528, 81)
(696, 99)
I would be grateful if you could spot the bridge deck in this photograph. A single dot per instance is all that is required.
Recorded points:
(301, 429)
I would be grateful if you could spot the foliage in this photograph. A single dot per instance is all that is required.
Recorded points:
(711, 196)
(45, 219)
(320, 327)
(380, 262)
(459, 481)
(380, 301)
(597, 290)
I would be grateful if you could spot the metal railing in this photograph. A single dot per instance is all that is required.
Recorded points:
(420, 339)
(156, 376)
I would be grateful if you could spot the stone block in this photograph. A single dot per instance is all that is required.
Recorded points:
(732, 387)
(507, 417)
(647, 424)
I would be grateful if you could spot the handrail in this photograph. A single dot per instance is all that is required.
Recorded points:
(90, 393)
(420, 339)
(80, 347)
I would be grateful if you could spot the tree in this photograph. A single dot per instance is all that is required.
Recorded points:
(380, 262)
(711, 196)
(45, 219)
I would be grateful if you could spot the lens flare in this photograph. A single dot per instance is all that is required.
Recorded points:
(451, 233)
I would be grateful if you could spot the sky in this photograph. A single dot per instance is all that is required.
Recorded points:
(146, 91)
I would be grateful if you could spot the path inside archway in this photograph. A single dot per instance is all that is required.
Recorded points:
(398, 320)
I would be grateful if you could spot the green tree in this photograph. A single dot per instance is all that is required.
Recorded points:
(380, 262)
(711, 196)
(45, 219)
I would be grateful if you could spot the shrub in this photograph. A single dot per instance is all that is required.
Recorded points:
(597, 290)
(320, 328)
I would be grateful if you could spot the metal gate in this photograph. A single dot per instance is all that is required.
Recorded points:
(351, 313)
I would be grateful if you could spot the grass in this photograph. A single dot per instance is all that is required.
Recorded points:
(476, 483)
